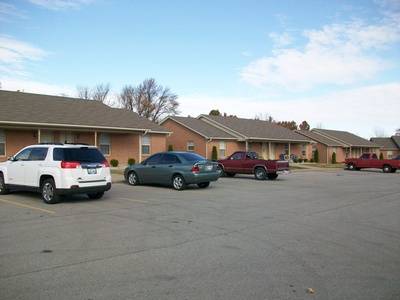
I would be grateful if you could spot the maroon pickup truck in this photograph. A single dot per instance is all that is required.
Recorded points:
(247, 162)
(371, 160)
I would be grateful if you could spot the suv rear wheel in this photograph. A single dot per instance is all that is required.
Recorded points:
(96, 195)
(3, 190)
(48, 191)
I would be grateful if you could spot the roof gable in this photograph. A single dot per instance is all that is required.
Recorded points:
(19, 108)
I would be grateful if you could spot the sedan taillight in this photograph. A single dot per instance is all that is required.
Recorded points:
(195, 168)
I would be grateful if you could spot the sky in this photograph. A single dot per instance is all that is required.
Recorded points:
(334, 64)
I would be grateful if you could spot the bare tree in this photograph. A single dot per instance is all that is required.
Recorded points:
(83, 92)
(126, 97)
(149, 100)
(100, 92)
(379, 132)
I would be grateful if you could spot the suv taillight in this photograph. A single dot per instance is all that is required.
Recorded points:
(105, 164)
(70, 164)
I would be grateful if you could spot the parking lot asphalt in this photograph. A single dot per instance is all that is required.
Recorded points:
(307, 235)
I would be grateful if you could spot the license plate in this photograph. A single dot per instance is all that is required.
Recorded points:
(92, 171)
(209, 168)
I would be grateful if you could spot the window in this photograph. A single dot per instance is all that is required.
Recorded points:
(237, 156)
(46, 137)
(170, 159)
(154, 159)
(146, 144)
(2, 142)
(38, 154)
(389, 154)
(222, 149)
(303, 150)
(287, 149)
(190, 146)
(105, 143)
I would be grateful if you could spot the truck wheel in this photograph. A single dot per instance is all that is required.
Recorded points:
(387, 169)
(351, 167)
(49, 193)
(260, 174)
(3, 190)
(178, 182)
(272, 176)
(222, 174)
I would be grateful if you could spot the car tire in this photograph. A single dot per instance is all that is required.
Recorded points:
(49, 193)
(178, 182)
(133, 179)
(260, 173)
(222, 174)
(203, 184)
(97, 195)
(351, 167)
(3, 189)
(387, 169)
(272, 176)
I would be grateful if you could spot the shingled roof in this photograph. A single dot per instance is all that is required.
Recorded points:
(249, 129)
(200, 127)
(19, 109)
(320, 138)
(388, 144)
(346, 139)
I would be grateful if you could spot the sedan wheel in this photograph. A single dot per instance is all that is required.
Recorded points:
(203, 184)
(178, 182)
(133, 178)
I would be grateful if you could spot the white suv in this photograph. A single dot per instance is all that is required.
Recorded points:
(57, 170)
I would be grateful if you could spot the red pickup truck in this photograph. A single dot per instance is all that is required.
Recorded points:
(371, 160)
(247, 162)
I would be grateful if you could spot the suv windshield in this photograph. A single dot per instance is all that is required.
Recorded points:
(83, 154)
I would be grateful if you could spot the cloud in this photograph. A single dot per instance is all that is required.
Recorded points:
(357, 110)
(16, 54)
(8, 12)
(337, 54)
(61, 5)
(11, 84)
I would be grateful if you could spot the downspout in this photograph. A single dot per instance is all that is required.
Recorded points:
(38, 135)
(95, 138)
(209, 140)
(140, 145)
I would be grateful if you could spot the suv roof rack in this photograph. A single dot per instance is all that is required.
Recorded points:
(50, 144)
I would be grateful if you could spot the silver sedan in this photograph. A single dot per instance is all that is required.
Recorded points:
(173, 168)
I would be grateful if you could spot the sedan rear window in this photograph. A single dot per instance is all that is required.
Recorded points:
(192, 156)
(83, 154)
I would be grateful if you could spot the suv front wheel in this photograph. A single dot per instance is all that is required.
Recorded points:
(48, 191)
